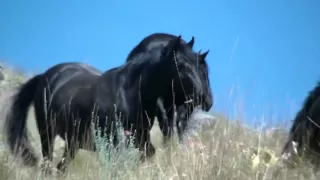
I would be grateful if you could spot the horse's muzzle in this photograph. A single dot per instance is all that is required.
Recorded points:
(207, 103)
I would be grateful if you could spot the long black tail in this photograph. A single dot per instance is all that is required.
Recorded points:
(16, 128)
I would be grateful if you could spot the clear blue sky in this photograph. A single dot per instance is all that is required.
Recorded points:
(268, 52)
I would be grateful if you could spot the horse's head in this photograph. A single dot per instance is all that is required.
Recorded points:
(205, 99)
(187, 69)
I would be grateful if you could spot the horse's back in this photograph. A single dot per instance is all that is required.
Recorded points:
(70, 67)
(69, 71)
(64, 80)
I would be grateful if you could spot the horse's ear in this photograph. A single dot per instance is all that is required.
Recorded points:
(191, 42)
(204, 55)
(173, 45)
(200, 56)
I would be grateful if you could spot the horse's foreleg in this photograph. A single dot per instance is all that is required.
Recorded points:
(166, 128)
(165, 125)
(181, 121)
(143, 142)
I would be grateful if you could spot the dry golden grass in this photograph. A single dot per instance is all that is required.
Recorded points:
(225, 150)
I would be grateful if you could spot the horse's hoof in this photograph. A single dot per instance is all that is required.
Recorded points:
(142, 158)
(165, 141)
(58, 173)
(49, 170)
(62, 166)
(46, 167)
(150, 151)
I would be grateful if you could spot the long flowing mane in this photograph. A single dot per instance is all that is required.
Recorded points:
(142, 61)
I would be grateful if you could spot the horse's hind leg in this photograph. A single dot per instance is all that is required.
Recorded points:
(68, 155)
(47, 131)
(71, 147)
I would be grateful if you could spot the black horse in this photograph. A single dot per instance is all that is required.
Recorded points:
(164, 112)
(304, 134)
(65, 96)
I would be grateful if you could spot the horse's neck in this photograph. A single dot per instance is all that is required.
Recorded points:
(143, 80)
(142, 73)
(145, 73)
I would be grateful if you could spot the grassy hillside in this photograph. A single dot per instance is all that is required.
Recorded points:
(224, 150)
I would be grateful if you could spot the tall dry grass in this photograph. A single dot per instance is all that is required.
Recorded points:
(224, 150)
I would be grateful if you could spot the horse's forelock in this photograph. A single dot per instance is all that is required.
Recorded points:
(200, 68)
(200, 64)
(190, 71)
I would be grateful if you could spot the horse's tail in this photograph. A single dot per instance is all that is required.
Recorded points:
(16, 127)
